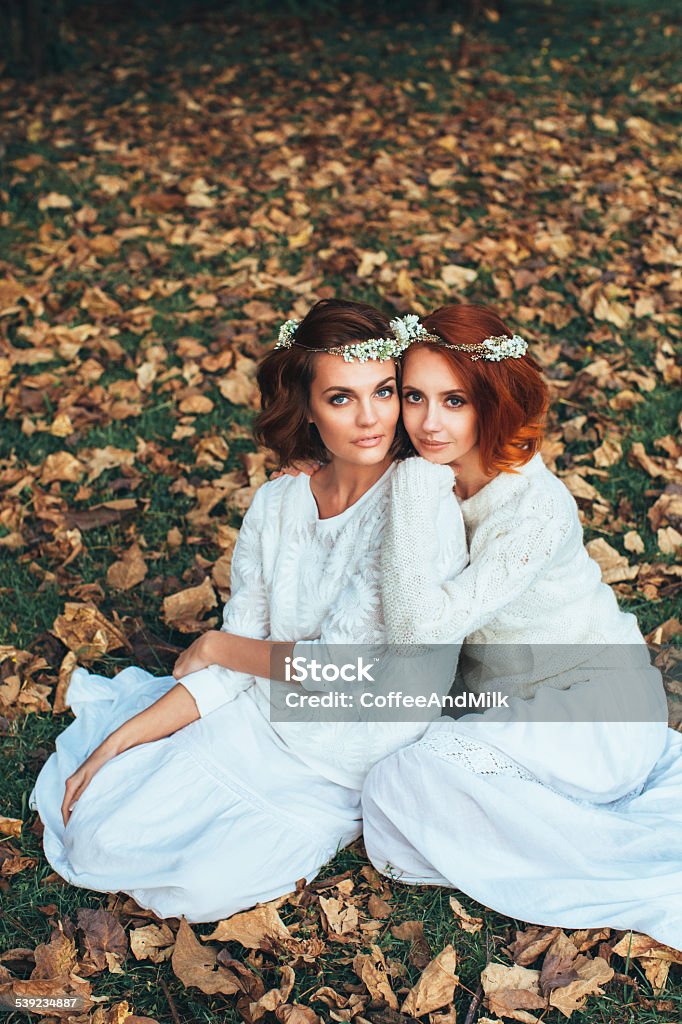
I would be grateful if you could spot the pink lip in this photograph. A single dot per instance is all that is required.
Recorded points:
(369, 442)
(434, 444)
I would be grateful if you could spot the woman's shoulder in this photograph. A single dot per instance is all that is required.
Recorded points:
(270, 496)
(532, 492)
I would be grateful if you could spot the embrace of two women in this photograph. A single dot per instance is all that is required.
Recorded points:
(414, 509)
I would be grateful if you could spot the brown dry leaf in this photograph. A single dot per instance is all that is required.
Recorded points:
(183, 610)
(239, 389)
(62, 466)
(293, 1013)
(340, 919)
(105, 941)
(458, 277)
(129, 570)
(260, 928)
(636, 945)
(512, 991)
(378, 908)
(609, 452)
(633, 542)
(592, 975)
(656, 972)
(10, 827)
(637, 456)
(586, 938)
(559, 966)
(196, 965)
(152, 942)
(436, 987)
(466, 922)
(66, 668)
(669, 540)
(271, 1000)
(614, 566)
(580, 488)
(14, 865)
(413, 932)
(372, 970)
(86, 632)
(531, 943)
(667, 509)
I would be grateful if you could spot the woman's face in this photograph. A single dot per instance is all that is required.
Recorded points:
(355, 407)
(437, 413)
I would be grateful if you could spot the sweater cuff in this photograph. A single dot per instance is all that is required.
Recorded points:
(419, 476)
(210, 689)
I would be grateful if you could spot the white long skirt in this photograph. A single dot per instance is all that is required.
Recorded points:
(206, 822)
(564, 823)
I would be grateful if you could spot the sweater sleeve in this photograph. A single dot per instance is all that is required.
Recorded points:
(246, 613)
(422, 607)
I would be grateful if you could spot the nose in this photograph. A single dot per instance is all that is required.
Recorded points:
(366, 413)
(432, 422)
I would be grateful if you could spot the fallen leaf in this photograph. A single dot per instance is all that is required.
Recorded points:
(104, 938)
(466, 922)
(129, 570)
(152, 942)
(183, 610)
(372, 971)
(260, 928)
(436, 987)
(614, 566)
(196, 967)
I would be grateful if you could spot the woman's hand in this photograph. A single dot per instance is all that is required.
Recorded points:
(198, 655)
(77, 783)
(307, 466)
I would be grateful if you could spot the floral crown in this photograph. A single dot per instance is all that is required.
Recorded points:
(492, 349)
(405, 330)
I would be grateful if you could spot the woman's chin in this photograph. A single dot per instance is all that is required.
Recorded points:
(442, 456)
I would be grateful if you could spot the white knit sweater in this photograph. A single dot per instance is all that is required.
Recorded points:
(529, 580)
(297, 577)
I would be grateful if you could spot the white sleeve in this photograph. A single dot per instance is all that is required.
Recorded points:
(423, 607)
(246, 613)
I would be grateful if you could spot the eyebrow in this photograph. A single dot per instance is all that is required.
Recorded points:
(441, 394)
(350, 391)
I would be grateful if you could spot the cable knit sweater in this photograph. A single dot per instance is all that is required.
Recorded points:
(529, 580)
(298, 577)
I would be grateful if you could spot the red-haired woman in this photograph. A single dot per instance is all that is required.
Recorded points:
(564, 808)
(196, 793)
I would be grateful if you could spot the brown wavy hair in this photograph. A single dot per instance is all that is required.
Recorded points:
(285, 377)
(510, 397)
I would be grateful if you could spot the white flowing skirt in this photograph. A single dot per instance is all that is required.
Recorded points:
(564, 823)
(206, 822)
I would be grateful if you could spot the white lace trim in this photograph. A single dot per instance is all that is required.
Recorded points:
(481, 759)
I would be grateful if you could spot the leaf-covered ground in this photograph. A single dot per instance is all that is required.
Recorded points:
(164, 205)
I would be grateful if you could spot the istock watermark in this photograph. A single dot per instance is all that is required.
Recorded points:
(418, 683)
(303, 670)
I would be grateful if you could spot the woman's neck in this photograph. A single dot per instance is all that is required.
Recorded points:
(470, 478)
(339, 484)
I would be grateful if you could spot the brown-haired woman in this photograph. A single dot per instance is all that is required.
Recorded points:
(184, 794)
(563, 807)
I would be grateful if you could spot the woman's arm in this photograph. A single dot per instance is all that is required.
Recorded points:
(243, 654)
(171, 712)
(423, 607)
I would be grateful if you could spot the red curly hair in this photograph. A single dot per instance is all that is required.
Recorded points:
(510, 397)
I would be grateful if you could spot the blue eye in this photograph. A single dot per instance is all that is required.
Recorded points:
(454, 401)
(412, 397)
(338, 400)
(386, 392)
